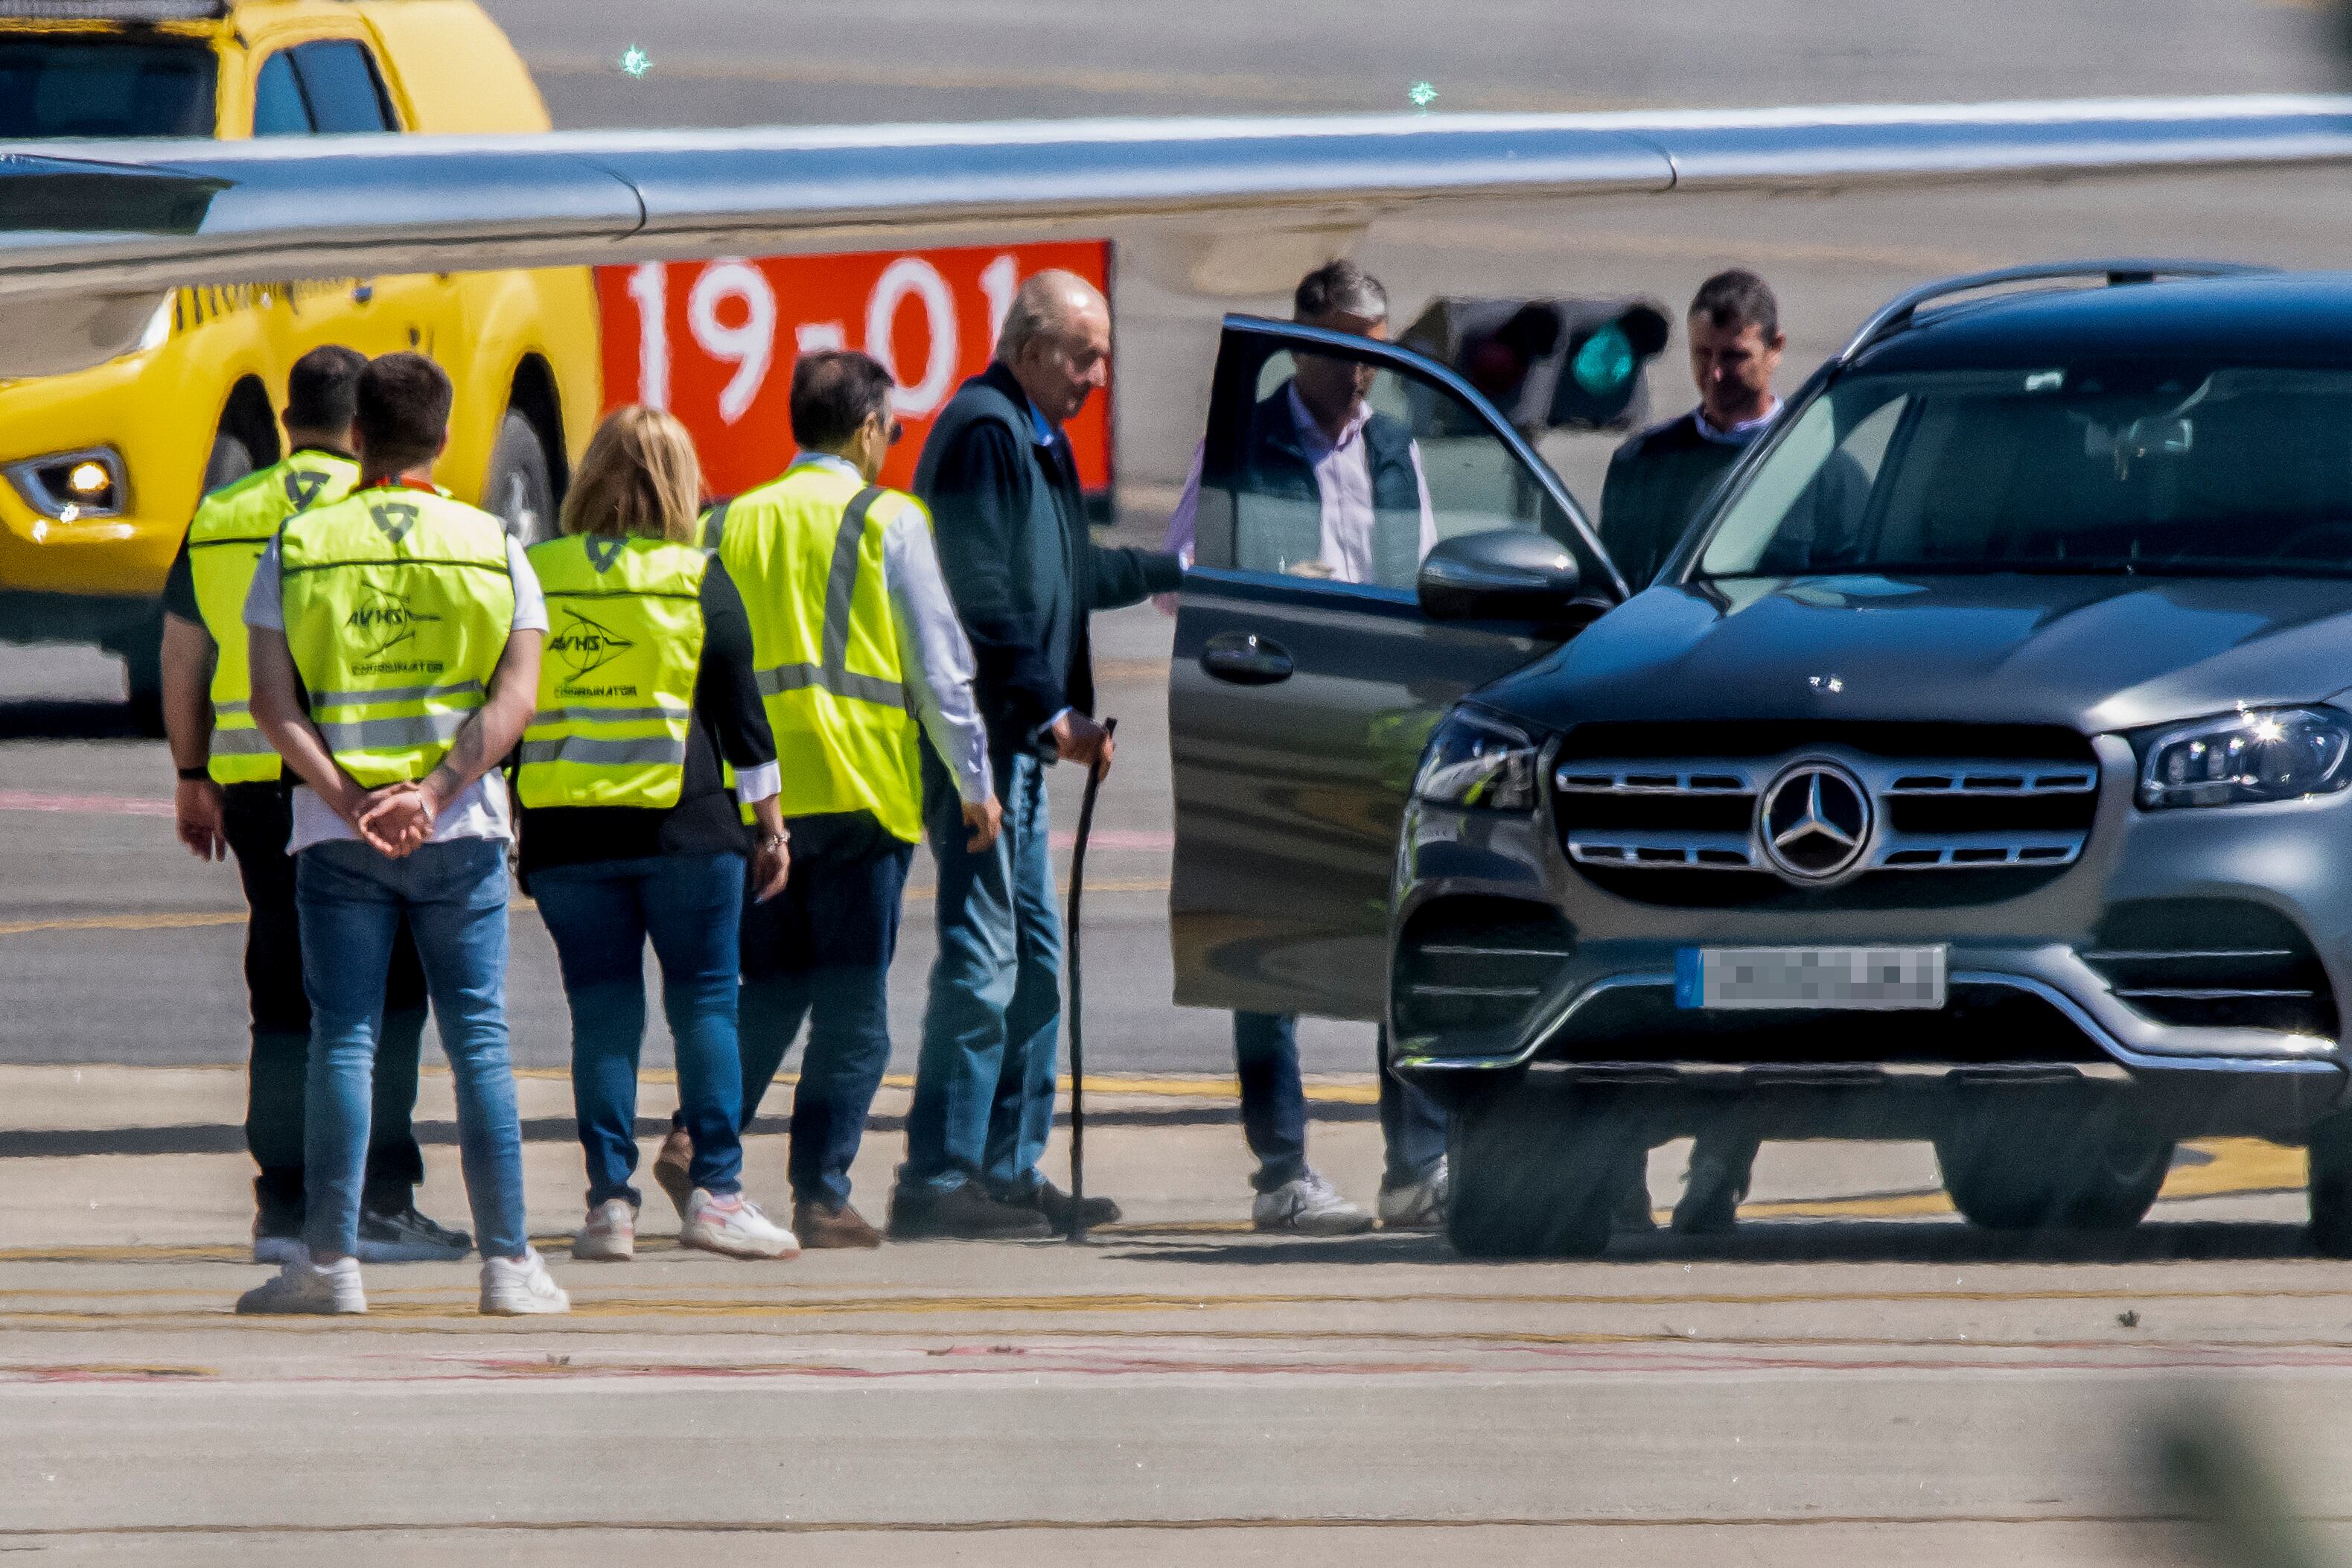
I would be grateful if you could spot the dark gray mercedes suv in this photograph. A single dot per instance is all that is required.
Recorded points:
(1997, 799)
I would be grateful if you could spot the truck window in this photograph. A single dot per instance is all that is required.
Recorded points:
(277, 106)
(345, 93)
(64, 86)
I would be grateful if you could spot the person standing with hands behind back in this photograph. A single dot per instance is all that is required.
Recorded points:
(394, 641)
(628, 831)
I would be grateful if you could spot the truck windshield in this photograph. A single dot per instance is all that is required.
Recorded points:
(2140, 467)
(53, 86)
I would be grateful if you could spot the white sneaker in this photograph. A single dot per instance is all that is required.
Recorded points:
(1309, 1205)
(611, 1233)
(302, 1287)
(733, 1224)
(520, 1286)
(1418, 1206)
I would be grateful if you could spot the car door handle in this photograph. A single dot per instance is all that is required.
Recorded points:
(1245, 660)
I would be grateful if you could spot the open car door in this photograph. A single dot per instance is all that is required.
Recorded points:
(1307, 677)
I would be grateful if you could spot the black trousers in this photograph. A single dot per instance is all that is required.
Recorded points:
(260, 819)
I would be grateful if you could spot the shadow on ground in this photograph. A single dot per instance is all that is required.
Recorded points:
(1806, 1241)
(56, 721)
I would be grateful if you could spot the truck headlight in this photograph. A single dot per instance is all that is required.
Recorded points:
(1478, 761)
(2255, 754)
(72, 486)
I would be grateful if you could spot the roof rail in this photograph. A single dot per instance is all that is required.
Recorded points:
(1897, 313)
(113, 10)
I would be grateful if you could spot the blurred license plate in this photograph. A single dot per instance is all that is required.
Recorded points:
(1845, 978)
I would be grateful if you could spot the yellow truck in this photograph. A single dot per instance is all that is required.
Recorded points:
(100, 470)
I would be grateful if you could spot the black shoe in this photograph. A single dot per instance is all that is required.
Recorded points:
(409, 1237)
(1055, 1205)
(963, 1213)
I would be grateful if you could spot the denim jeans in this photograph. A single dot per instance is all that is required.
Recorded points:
(984, 1083)
(1274, 1107)
(601, 913)
(821, 951)
(258, 819)
(352, 900)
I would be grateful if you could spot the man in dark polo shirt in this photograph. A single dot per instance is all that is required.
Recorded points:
(1659, 478)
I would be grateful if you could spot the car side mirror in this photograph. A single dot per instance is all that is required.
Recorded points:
(1502, 575)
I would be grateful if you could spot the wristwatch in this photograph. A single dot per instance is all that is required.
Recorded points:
(191, 775)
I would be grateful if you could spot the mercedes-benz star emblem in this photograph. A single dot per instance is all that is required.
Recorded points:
(1814, 822)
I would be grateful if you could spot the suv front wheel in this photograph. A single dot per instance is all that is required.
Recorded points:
(1535, 1171)
(2051, 1160)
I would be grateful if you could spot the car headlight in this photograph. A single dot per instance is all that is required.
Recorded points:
(2254, 754)
(72, 486)
(1479, 761)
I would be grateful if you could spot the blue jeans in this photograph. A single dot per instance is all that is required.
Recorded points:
(1274, 1107)
(600, 914)
(351, 901)
(821, 951)
(984, 1083)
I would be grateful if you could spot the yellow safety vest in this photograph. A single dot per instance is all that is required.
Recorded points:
(806, 551)
(225, 541)
(397, 602)
(617, 684)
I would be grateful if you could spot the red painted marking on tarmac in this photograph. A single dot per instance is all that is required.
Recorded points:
(84, 805)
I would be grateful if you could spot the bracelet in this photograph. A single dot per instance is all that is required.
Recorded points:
(190, 776)
(776, 841)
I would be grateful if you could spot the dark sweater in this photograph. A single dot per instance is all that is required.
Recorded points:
(1661, 478)
(729, 722)
(1010, 519)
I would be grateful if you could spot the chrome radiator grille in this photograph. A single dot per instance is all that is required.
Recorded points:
(1677, 813)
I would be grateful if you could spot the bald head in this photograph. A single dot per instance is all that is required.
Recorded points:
(1056, 341)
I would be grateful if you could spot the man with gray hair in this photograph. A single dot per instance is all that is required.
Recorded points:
(999, 476)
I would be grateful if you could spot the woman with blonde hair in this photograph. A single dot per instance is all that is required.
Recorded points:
(629, 830)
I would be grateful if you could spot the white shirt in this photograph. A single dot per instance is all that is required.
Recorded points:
(934, 655)
(481, 810)
(1738, 433)
(1343, 482)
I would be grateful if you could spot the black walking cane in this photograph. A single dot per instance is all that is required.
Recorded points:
(1077, 1007)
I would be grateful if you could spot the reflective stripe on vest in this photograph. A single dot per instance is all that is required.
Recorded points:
(616, 682)
(397, 604)
(806, 553)
(225, 540)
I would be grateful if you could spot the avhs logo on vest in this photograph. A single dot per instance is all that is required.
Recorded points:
(585, 645)
(383, 621)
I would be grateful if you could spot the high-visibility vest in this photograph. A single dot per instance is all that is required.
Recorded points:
(225, 541)
(397, 603)
(616, 682)
(806, 551)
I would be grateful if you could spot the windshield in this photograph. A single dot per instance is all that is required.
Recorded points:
(2138, 467)
(85, 87)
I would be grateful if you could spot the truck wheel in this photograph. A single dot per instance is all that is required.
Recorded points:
(519, 487)
(230, 461)
(2331, 1187)
(1534, 1173)
(2056, 1161)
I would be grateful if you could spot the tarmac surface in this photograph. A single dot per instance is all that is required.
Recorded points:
(1854, 1376)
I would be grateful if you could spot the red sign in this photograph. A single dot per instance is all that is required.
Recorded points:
(714, 342)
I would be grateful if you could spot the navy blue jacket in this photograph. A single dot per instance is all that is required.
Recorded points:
(1012, 528)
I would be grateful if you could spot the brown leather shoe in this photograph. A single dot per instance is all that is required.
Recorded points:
(818, 1226)
(671, 1169)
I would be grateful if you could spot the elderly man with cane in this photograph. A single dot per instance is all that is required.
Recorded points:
(999, 476)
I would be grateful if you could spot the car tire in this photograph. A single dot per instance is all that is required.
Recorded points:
(230, 461)
(520, 485)
(2331, 1187)
(1534, 1172)
(2050, 1161)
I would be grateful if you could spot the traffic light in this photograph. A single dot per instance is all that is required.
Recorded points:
(1550, 365)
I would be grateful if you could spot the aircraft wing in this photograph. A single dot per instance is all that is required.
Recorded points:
(262, 210)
